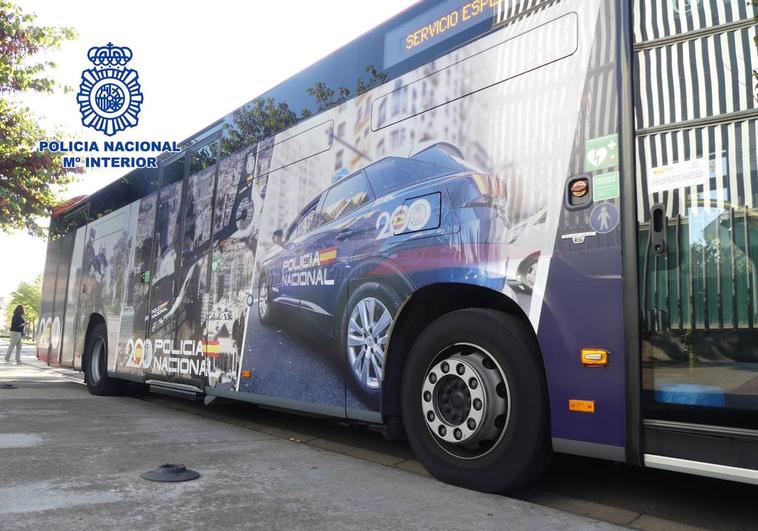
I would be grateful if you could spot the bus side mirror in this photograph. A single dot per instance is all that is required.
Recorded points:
(278, 237)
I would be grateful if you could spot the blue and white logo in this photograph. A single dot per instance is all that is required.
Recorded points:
(110, 94)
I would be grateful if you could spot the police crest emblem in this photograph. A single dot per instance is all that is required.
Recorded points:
(109, 95)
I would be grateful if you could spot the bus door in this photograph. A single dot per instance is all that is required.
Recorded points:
(230, 291)
(56, 276)
(199, 357)
(697, 208)
(45, 326)
(159, 343)
(70, 252)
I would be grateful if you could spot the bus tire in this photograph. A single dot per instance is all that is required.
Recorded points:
(383, 299)
(96, 365)
(474, 401)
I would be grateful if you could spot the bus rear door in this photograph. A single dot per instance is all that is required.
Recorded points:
(697, 208)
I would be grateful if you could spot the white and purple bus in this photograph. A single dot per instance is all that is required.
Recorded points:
(498, 228)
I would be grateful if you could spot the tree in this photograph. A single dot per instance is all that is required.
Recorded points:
(257, 121)
(265, 117)
(29, 180)
(325, 96)
(28, 295)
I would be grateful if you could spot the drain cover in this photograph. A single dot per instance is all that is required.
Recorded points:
(171, 473)
(8, 386)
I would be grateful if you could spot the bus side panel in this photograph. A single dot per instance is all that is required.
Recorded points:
(237, 218)
(508, 131)
(283, 359)
(583, 286)
(72, 299)
(65, 249)
(45, 325)
(131, 357)
(107, 246)
(520, 129)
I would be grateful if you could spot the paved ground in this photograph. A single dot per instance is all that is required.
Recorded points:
(639, 498)
(72, 461)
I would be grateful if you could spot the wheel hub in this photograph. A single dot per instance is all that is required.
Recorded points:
(465, 400)
(453, 400)
(449, 409)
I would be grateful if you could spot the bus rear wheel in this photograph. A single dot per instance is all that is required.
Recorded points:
(474, 401)
(96, 365)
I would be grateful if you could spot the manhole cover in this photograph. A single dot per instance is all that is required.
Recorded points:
(8, 386)
(171, 473)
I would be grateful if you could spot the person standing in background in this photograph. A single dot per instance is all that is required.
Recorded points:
(17, 332)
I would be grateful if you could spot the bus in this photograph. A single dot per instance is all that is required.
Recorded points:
(497, 228)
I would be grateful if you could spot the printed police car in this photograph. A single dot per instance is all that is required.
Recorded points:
(359, 249)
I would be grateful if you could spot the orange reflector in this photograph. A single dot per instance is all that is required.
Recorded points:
(579, 188)
(594, 357)
(246, 374)
(582, 406)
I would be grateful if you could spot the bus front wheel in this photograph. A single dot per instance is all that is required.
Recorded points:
(96, 365)
(474, 402)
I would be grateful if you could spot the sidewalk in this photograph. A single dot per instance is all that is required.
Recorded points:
(71, 461)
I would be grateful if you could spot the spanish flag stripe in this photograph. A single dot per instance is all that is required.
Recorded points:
(211, 347)
(327, 255)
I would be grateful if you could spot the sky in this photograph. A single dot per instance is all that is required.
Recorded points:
(247, 47)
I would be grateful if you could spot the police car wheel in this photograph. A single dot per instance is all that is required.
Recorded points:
(96, 365)
(265, 309)
(366, 325)
(474, 401)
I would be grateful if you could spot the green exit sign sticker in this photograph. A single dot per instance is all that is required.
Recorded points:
(606, 186)
(601, 153)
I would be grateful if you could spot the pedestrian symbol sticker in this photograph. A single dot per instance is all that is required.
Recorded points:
(604, 218)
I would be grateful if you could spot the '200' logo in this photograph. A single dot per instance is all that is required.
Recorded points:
(139, 353)
(404, 218)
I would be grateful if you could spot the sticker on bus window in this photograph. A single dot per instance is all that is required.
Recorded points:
(680, 175)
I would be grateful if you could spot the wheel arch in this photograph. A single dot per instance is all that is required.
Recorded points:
(417, 312)
(372, 269)
(532, 258)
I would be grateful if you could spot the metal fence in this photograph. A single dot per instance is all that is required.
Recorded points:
(705, 277)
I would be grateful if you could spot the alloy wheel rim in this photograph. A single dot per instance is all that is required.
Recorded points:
(465, 401)
(367, 336)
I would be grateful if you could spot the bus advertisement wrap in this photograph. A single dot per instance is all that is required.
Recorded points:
(424, 231)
